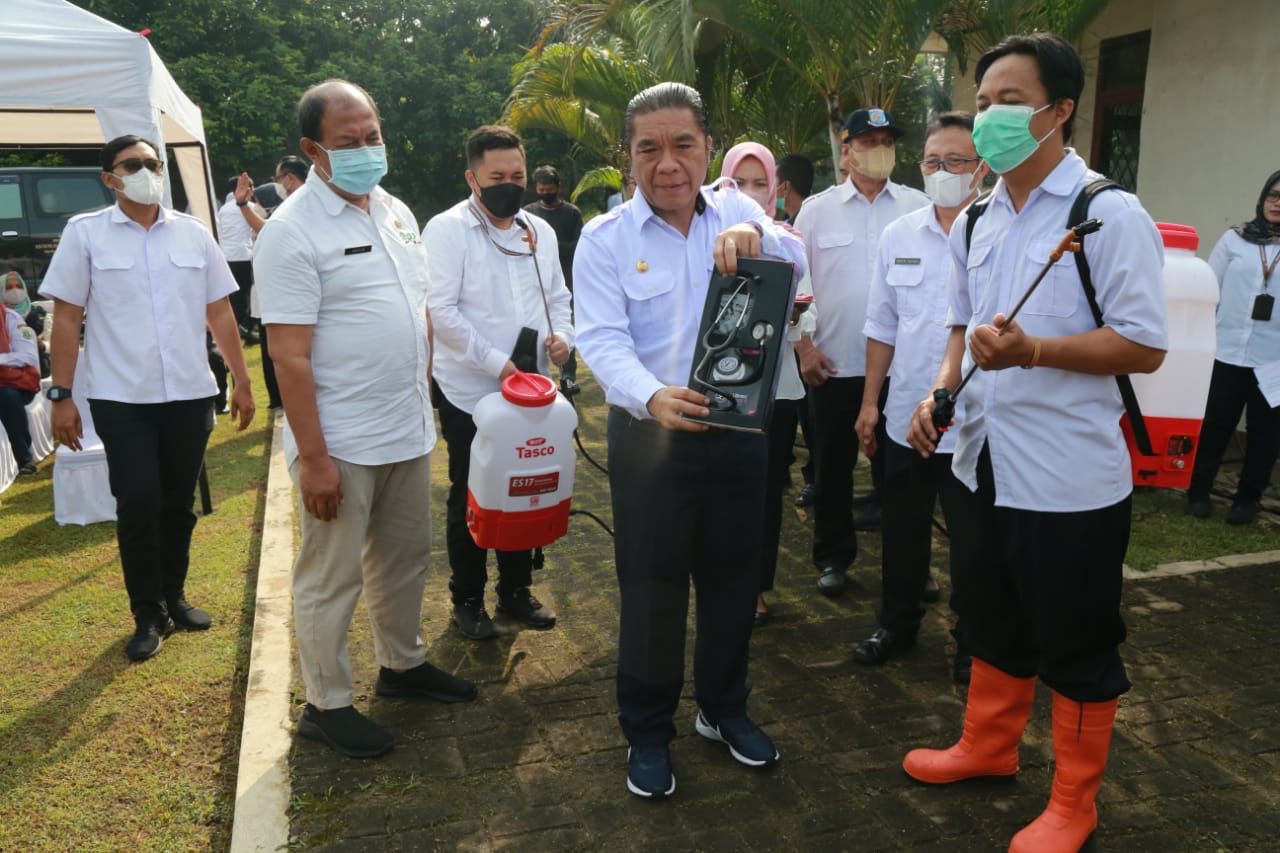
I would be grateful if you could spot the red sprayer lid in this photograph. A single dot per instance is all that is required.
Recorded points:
(529, 389)
(1179, 236)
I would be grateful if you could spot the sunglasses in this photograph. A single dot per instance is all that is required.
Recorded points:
(132, 165)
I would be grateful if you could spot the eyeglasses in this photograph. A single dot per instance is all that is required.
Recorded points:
(132, 165)
(954, 165)
(1273, 196)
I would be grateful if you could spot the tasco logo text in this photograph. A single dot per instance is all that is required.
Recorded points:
(534, 448)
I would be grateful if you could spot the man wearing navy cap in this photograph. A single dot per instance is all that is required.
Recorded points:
(841, 228)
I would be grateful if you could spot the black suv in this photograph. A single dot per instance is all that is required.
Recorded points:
(35, 204)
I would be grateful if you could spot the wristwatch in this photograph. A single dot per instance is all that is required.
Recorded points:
(242, 203)
(57, 392)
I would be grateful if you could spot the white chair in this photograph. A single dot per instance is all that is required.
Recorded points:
(8, 464)
(40, 427)
(81, 481)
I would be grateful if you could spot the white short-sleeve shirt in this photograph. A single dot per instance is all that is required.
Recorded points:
(360, 279)
(145, 293)
(1236, 262)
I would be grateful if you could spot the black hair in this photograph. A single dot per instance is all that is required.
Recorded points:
(315, 101)
(546, 175)
(293, 165)
(231, 183)
(955, 118)
(664, 96)
(1061, 71)
(490, 137)
(1259, 230)
(115, 146)
(797, 170)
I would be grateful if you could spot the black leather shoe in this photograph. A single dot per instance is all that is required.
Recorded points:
(962, 668)
(148, 637)
(868, 500)
(869, 519)
(832, 581)
(1197, 507)
(345, 730)
(521, 605)
(881, 646)
(1243, 512)
(424, 682)
(806, 496)
(187, 617)
(473, 620)
(931, 593)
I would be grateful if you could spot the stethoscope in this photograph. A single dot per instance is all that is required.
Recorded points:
(512, 253)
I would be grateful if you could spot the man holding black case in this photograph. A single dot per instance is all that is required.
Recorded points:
(496, 284)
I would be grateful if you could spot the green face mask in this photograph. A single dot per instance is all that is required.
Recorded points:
(1002, 135)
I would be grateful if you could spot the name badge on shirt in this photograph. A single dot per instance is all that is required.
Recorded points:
(358, 250)
(907, 262)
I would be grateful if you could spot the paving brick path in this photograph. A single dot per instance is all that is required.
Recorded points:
(538, 762)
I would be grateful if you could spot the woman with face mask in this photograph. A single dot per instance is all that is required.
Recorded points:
(1245, 260)
(750, 166)
(19, 370)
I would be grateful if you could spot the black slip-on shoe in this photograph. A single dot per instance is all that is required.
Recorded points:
(832, 581)
(148, 638)
(522, 606)
(649, 772)
(747, 742)
(1243, 512)
(424, 682)
(881, 646)
(473, 620)
(345, 730)
(187, 617)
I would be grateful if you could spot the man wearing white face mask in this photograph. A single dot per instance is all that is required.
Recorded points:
(907, 332)
(148, 383)
(841, 228)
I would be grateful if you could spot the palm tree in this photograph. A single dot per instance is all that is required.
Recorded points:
(971, 26)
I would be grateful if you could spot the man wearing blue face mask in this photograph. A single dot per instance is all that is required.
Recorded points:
(342, 277)
(1038, 445)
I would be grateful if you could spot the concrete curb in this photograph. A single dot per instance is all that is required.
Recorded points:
(261, 820)
(1191, 567)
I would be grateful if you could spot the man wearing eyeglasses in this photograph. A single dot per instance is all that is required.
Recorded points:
(907, 335)
(841, 228)
(495, 279)
(150, 280)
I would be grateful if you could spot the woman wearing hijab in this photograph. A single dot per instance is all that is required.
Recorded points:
(19, 370)
(752, 168)
(1245, 262)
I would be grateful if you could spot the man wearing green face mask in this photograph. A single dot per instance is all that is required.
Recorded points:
(1040, 450)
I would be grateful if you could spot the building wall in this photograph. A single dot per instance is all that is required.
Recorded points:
(1119, 18)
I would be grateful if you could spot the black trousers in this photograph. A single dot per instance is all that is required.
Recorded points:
(835, 405)
(13, 414)
(1233, 390)
(1042, 591)
(912, 486)
(781, 439)
(269, 373)
(154, 453)
(242, 272)
(804, 415)
(685, 505)
(468, 561)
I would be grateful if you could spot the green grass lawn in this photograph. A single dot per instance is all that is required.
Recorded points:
(1164, 533)
(97, 753)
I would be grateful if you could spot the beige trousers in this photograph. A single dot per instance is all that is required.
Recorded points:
(381, 542)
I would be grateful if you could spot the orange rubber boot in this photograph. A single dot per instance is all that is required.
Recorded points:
(1081, 741)
(994, 718)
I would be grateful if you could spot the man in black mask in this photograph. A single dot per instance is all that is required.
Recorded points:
(498, 303)
(566, 221)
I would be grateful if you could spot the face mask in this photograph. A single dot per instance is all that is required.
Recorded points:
(781, 204)
(549, 199)
(1002, 135)
(143, 186)
(876, 164)
(357, 170)
(502, 200)
(284, 191)
(947, 190)
(15, 297)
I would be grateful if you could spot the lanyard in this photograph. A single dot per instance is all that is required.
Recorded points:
(1267, 268)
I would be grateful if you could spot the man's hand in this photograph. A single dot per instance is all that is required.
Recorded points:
(557, 350)
(868, 420)
(669, 404)
(815, 367)
(507, 369)
(738, 241)
(1000, 345)
(321, 487)
(921, 434)
(244, 188)
(242, 405)
(67, 427)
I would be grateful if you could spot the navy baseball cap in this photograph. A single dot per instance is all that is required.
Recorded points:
(869, 118)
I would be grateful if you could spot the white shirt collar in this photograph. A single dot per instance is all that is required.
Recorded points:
(118, 215)
(1063, 181)
(848, 191)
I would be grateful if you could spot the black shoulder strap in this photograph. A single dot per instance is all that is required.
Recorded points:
(1079, 212)
(973, 214)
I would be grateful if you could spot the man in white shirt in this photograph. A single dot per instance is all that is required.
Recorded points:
(236, 233)
(343, 283)
(1041, 448)
(496, 285)
(841, 228)
(688, 501)
(906, 336)
(150, 280)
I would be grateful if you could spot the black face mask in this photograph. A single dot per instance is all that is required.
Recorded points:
(502, 200)
(549, 199)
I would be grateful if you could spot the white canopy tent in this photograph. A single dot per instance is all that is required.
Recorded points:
(71, 78)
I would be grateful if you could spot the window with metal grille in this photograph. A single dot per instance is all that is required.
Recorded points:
(1117, 122)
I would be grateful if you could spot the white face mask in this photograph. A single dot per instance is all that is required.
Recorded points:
(284, 191)
(144, 187)
(15, 296)
(947, 190)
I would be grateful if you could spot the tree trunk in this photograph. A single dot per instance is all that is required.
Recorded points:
(834, 122)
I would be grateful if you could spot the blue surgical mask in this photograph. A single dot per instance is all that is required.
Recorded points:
(357, 170)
